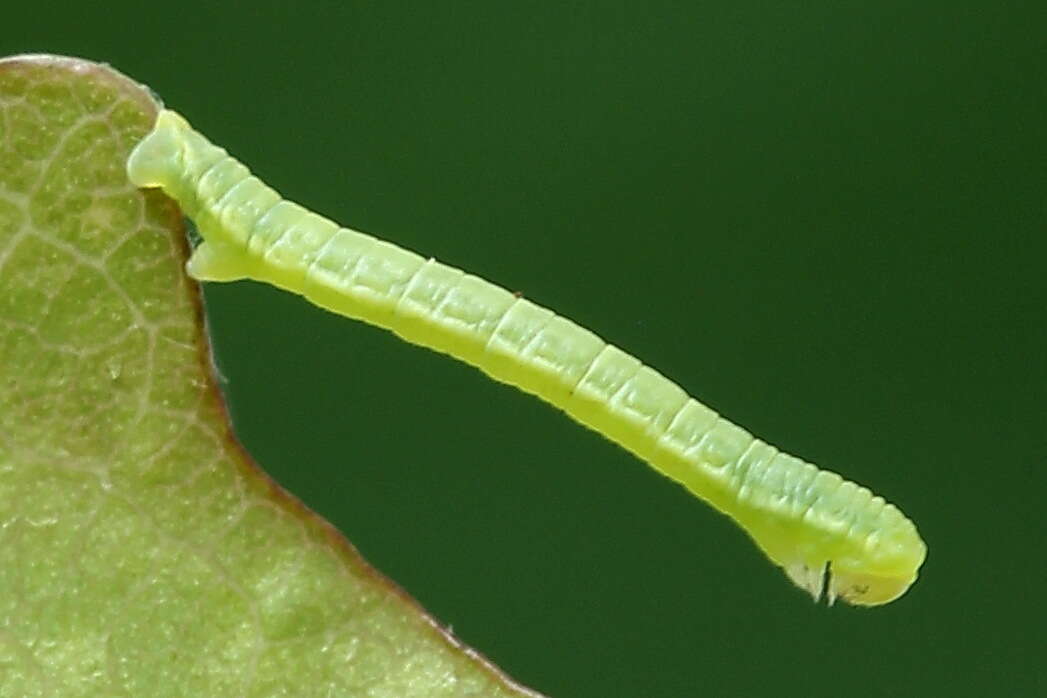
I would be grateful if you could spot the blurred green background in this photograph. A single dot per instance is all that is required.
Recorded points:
(825, 219)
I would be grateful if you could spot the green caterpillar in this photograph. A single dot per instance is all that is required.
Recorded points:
(831, 536)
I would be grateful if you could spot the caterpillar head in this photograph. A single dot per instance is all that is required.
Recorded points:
(863, 571)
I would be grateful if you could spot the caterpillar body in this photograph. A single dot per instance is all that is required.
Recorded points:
(831, 536)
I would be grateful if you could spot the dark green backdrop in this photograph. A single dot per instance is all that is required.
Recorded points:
(825, 219)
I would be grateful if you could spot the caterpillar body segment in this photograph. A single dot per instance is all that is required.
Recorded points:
(831, 536)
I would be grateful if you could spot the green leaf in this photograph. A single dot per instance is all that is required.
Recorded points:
(142, 552)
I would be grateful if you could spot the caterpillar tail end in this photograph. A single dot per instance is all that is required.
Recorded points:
(156, 156)
(217, 262)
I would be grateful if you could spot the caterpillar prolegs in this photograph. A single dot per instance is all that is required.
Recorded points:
(832, 537)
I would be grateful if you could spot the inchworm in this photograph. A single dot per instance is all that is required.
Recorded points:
(831, 536)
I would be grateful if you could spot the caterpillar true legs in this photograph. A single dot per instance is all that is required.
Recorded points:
(817, 526)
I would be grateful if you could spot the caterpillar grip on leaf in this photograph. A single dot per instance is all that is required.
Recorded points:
(832, 537)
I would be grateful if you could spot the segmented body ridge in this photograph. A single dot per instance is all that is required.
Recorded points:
(801, 516)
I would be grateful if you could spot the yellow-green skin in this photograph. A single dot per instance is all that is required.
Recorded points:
(803, 518)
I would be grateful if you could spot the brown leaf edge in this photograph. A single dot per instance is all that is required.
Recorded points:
(150, 103)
